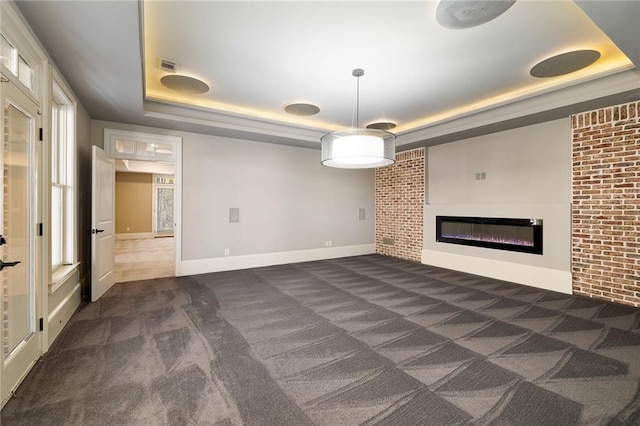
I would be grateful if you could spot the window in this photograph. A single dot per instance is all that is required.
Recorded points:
(16, 63)
(62, 179)
(8, 54)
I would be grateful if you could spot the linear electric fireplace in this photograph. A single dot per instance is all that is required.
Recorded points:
(522, 235)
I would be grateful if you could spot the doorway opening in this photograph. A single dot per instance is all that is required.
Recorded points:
(146, 205)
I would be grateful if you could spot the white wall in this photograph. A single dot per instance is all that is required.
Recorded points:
(528, 175)
(290, 205)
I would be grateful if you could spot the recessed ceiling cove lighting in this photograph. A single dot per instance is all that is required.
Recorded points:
(301, 109)
(184, 84)
(458, 14)
(565, 63)
(382, 125)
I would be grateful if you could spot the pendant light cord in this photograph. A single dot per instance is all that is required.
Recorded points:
(358, 102)
(357, 73)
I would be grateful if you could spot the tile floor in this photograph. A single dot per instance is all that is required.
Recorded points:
(144, 259)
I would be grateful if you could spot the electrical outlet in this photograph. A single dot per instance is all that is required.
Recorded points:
(328, 243)
(226, 252)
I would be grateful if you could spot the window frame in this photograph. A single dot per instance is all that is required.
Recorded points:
(63, 259)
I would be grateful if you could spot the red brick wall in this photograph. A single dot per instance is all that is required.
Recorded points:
(399, 206)
(606, 203)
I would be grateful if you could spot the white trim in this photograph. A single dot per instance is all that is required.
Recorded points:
(61, 314)
(135, 236)
(534, 276)
(203, 266)
(177, 205)
(111, 135)
(60, 276)
(590, 88)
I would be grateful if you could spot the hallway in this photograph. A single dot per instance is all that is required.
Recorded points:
(144, 259)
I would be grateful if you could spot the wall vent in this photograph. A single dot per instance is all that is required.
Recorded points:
(167, 65)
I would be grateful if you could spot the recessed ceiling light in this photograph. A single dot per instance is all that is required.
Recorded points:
(459, 14)
(184, 84)
(382, 125)
(565, 63)
(301, 109)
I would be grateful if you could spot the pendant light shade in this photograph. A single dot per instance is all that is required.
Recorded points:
(358, 148)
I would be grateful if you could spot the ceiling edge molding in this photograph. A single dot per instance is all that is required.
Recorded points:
(236, 127)
(620, 83)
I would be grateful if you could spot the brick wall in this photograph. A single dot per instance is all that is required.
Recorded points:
(399, 206)
(606, 203)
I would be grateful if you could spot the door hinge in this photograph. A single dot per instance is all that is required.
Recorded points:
(40, 229)
(41, 324)
(41, 132)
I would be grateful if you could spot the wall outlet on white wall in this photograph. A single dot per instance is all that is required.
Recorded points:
(226, 252)
(328, 243)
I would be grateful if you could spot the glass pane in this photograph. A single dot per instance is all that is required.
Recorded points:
(125, 147)
(56, 225)
(164, 209)
(25, 73)
(168, 180)
(145, 149)
(163, 151)
(18, 293)
(8, 54)
(67, 229)
(55, 124)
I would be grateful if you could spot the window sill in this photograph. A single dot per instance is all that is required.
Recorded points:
(61, 275)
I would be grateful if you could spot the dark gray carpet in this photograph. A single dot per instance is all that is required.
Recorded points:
(361, 340)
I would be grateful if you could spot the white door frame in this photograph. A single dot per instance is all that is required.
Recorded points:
(111, 145)
(29, 349)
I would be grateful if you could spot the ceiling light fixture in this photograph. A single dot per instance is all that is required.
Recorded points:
(358, 148)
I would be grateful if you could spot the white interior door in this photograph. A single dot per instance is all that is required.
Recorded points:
(103, 184)
(19, 296)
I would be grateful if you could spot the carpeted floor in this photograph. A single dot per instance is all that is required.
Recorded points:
(361, 340)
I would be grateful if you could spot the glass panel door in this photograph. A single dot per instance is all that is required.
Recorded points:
(163, 207)
(20, 345)
(164, 210)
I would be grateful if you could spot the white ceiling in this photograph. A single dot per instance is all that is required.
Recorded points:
(434, 82)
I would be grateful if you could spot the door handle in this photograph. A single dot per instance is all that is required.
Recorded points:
(97, 231)
(8, 264)
(3, 241)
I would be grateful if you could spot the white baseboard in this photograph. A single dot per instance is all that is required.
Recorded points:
(61, 314)
(135, 236)
(218, 264)
(534, 276)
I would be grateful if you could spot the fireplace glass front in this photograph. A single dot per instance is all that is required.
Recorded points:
(521, 235)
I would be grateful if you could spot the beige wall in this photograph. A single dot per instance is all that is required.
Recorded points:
(291, 207)
(528, 175)
(133, 202)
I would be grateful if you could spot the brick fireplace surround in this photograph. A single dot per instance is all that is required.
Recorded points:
(605, 204)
